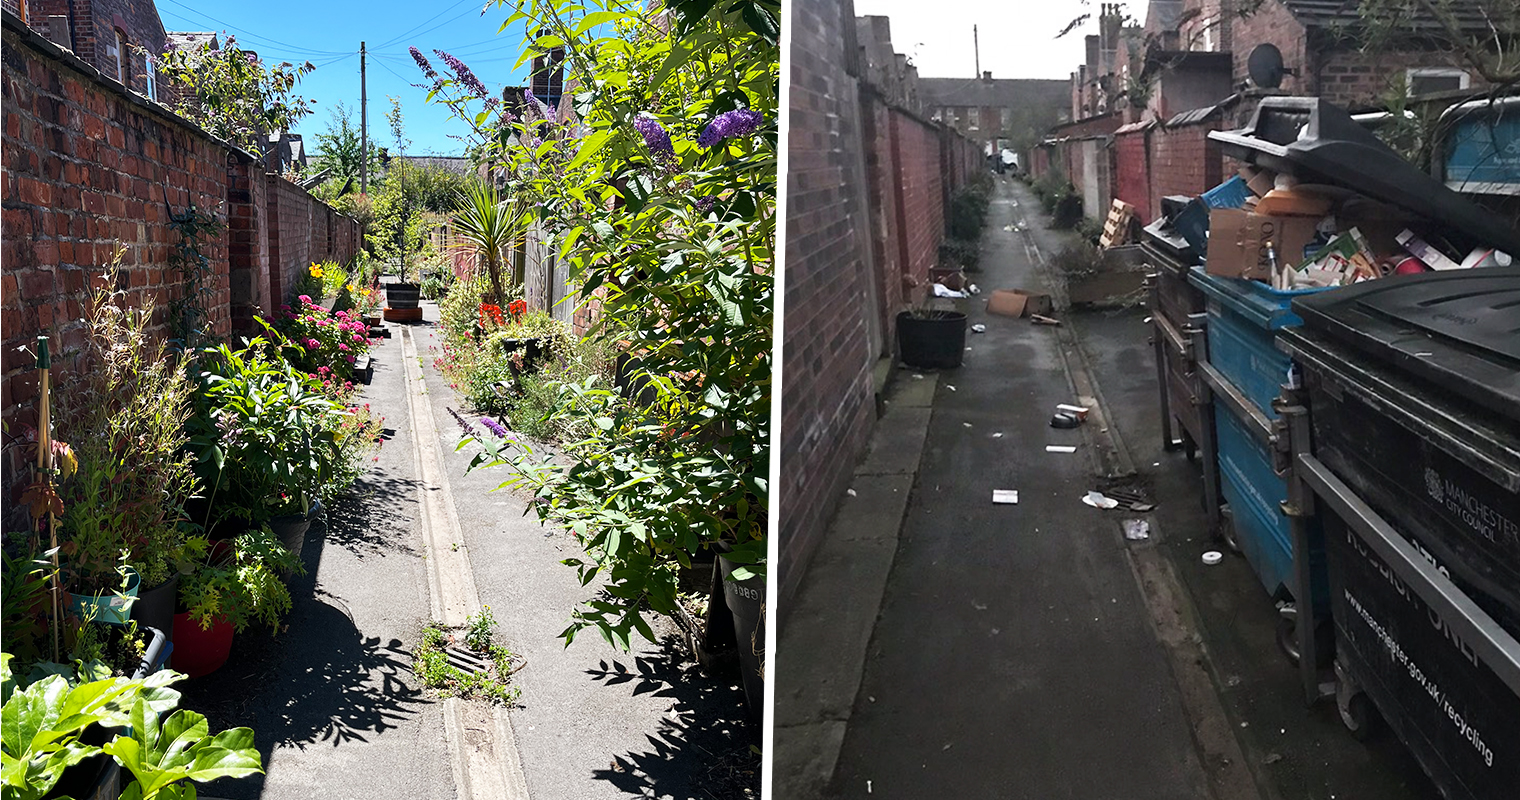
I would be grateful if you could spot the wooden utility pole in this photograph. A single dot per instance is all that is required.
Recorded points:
(363, 127)
(976, 47)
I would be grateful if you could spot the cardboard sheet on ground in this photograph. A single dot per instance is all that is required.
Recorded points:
(1018, 303)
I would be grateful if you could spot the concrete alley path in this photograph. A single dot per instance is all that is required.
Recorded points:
(1013, 656)
(337, 712)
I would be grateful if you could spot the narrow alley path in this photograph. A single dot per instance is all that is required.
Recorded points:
(337, 712)
(1013, 656)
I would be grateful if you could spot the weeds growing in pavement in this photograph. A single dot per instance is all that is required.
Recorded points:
(432, 664)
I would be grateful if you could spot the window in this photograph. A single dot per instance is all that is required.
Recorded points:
(153, 84)
(974, 117)
(950, 117)
(1427, 80)
(1007, 119)
(120, 53)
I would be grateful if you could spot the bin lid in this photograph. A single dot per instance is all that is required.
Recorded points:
(1318, 142)
(1458, 330)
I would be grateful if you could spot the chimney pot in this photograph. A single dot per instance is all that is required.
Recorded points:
(986, 75)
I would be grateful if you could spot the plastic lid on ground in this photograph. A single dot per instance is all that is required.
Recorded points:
(1459, 330)
(1320, 143)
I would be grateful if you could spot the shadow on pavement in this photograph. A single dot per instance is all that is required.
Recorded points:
(318, 681)
(368, 520)
(702, 748)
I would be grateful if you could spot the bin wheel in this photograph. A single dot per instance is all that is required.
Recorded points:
(1360, 716)
(1287, 642)
(1226, 532)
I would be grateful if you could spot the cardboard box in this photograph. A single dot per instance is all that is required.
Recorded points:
(1258, 180)
(1018, 303)
(1245, 245)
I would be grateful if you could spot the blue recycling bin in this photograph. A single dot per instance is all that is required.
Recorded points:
(1243, 318)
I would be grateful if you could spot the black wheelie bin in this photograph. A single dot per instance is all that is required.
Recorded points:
(1413, 387)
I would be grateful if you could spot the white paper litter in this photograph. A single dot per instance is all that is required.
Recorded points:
(850, 492)
(1100, 500)
(978, 328)
(948, 386)
(1137, 530)
(997, 435)
(967, 424)
(941, 290)
(1060, 448)
(973, 290)
(1005, 496)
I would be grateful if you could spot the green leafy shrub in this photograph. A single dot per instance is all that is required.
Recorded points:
(123, 418)
(968, 211)
(960, 254)
(241, 583)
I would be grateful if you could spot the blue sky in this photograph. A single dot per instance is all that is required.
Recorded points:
(328, 32)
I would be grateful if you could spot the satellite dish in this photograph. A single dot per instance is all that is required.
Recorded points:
(1265, 66)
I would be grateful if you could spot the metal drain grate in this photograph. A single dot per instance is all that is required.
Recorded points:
(466, 660)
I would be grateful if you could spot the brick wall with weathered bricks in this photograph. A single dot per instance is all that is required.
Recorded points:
(89, 167)
(867, 187)
(827, 352)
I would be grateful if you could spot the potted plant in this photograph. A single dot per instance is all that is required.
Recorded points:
(90, 728)
(237, 584)
(262, 433)
(125, 474)
(931, 338)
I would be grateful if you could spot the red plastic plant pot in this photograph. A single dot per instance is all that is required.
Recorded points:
(200, 651)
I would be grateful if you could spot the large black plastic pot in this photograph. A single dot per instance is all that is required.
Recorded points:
(746, 601)
(155, 607)
(936, 340)
(402, 295)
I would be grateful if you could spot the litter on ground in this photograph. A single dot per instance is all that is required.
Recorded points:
(1005, 496)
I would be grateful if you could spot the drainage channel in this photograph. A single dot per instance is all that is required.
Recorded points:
(482, 747)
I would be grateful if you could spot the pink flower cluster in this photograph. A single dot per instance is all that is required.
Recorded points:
(323, 343)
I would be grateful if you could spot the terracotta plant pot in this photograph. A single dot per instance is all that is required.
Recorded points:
(200, 652)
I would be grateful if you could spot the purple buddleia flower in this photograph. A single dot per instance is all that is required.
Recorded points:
(422, 63)
(655, 137)
(494, 427)
(464, 424)
(705, 204)
(730, 124)
(463, 73)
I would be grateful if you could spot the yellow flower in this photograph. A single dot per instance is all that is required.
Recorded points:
(316, 271)
(352, 288)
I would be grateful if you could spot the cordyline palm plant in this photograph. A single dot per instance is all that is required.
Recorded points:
(491, 226)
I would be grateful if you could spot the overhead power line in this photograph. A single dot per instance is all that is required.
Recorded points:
(291, 48)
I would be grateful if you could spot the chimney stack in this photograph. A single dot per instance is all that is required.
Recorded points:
(987, 75)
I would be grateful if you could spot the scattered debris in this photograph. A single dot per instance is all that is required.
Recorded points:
(1213, 557)
(1041, 319)
(1005, 496)
(967, 424)
(1080, 412)
(997, 435)
(1142, 507)
(1064, 421)
(978, 328)
(1099, 500)
(941, 290)
(972, 289)
(978, 606)
(868, 787)
(950, 387)
(1018, 303)
(1272, 758)
(1137, 530)
(1060, 448)
(850, 492)
(918, 376)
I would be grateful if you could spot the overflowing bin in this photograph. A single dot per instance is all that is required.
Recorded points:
(1413, 396)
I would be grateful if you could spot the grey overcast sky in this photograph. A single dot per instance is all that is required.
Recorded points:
(1017, 36)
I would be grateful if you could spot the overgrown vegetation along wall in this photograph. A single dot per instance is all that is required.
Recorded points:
(89, 166)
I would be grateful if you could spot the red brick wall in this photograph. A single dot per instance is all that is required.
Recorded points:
(827, 350)
(1183, 161)
(1132, 180)
(248, 243)
(1273, 24)
(920, 196)
(298, 228)
(86, 167)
